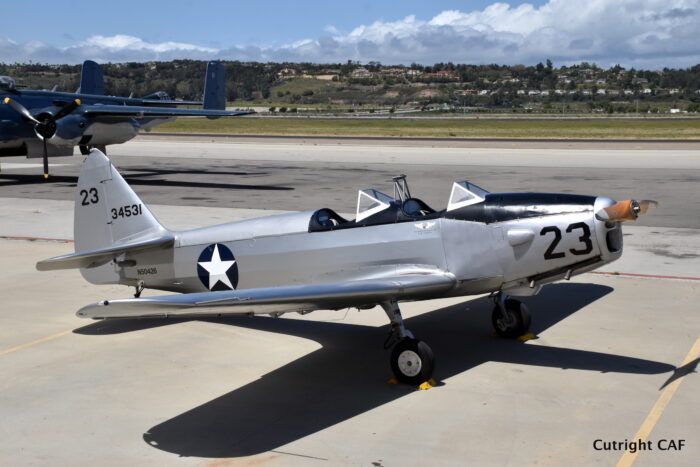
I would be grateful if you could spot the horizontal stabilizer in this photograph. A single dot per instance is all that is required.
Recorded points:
(94, 258)
(266, 300)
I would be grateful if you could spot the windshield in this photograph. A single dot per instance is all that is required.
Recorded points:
(370, 202)
(464, 194)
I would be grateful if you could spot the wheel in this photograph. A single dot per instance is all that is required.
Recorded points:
(84, 150)
(517, 322)
(412, 361)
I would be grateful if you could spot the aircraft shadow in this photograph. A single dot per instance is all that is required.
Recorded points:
(348, 375)
(121, 326)
(70, 180)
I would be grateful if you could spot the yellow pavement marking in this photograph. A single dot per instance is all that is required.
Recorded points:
(655, 413)
(38, 341)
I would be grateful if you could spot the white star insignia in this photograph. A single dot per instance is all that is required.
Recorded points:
(217, 269)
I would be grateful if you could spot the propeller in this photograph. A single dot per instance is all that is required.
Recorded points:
(627, 210)
(46, 127)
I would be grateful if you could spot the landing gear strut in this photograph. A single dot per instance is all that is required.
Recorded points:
(412, 361)
(139, 288)
(510, 317)
(85, 148)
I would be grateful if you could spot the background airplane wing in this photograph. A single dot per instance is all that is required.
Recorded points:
(135, 111)
(334, 295)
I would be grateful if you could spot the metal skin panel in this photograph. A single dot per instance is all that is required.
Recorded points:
(472, 249)
(115, 132)
(90, 227)
(529, 259)
(276, 225)
(318, 257)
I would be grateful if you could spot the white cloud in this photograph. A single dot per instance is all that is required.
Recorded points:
(122, 42)
(641, 33)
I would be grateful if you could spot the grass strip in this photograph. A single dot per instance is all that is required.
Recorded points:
(557, 129)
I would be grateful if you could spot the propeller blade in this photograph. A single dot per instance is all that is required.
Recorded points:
(627, 210)
(46, 160)
(645, 204)
(20, 109)
(66, 109)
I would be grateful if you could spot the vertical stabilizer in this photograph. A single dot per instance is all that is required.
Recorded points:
(91, 79)
(215, 87)
(107, 211)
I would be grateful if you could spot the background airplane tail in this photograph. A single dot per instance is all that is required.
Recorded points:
(215, 87)
(91, 79)
(107, 211)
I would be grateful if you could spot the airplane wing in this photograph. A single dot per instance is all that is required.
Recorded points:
(300, 298)
(134, 111)
(163, 102)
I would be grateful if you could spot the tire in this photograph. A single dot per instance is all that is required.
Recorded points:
(412, 361)
(517, 313)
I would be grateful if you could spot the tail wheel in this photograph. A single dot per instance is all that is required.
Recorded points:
(412, 361)
(516, 321)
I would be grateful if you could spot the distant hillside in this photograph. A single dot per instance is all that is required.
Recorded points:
(352, 86)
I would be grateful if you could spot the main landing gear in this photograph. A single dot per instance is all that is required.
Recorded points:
(85, 148)
(412, 361)
(510, 317)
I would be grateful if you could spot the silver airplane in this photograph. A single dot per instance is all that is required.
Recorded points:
(396, 249)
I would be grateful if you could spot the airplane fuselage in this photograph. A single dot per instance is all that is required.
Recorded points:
(518, 253)
(73, 129)
(396, 249)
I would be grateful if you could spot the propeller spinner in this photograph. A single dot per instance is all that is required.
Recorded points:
(627, 210)
(46, 127)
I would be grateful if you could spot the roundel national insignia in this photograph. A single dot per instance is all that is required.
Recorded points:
(217, 268)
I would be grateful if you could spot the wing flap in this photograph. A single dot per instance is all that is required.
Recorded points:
(275, 299)
(94, 258)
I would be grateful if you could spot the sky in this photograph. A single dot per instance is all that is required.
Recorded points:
(649, 34)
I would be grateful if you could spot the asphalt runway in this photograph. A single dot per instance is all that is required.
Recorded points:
(297, 176)
(615, 356)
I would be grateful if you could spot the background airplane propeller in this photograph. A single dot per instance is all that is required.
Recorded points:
(627, 210)
(46, 127)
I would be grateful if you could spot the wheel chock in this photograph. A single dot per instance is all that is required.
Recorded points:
(431, 383)
(527, 337)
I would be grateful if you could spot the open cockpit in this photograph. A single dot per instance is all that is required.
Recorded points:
(376, 208)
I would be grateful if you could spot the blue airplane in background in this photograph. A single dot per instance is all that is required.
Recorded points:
(37, 123)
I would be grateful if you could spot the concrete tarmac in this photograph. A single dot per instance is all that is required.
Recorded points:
(615, 353)
(303, 390)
